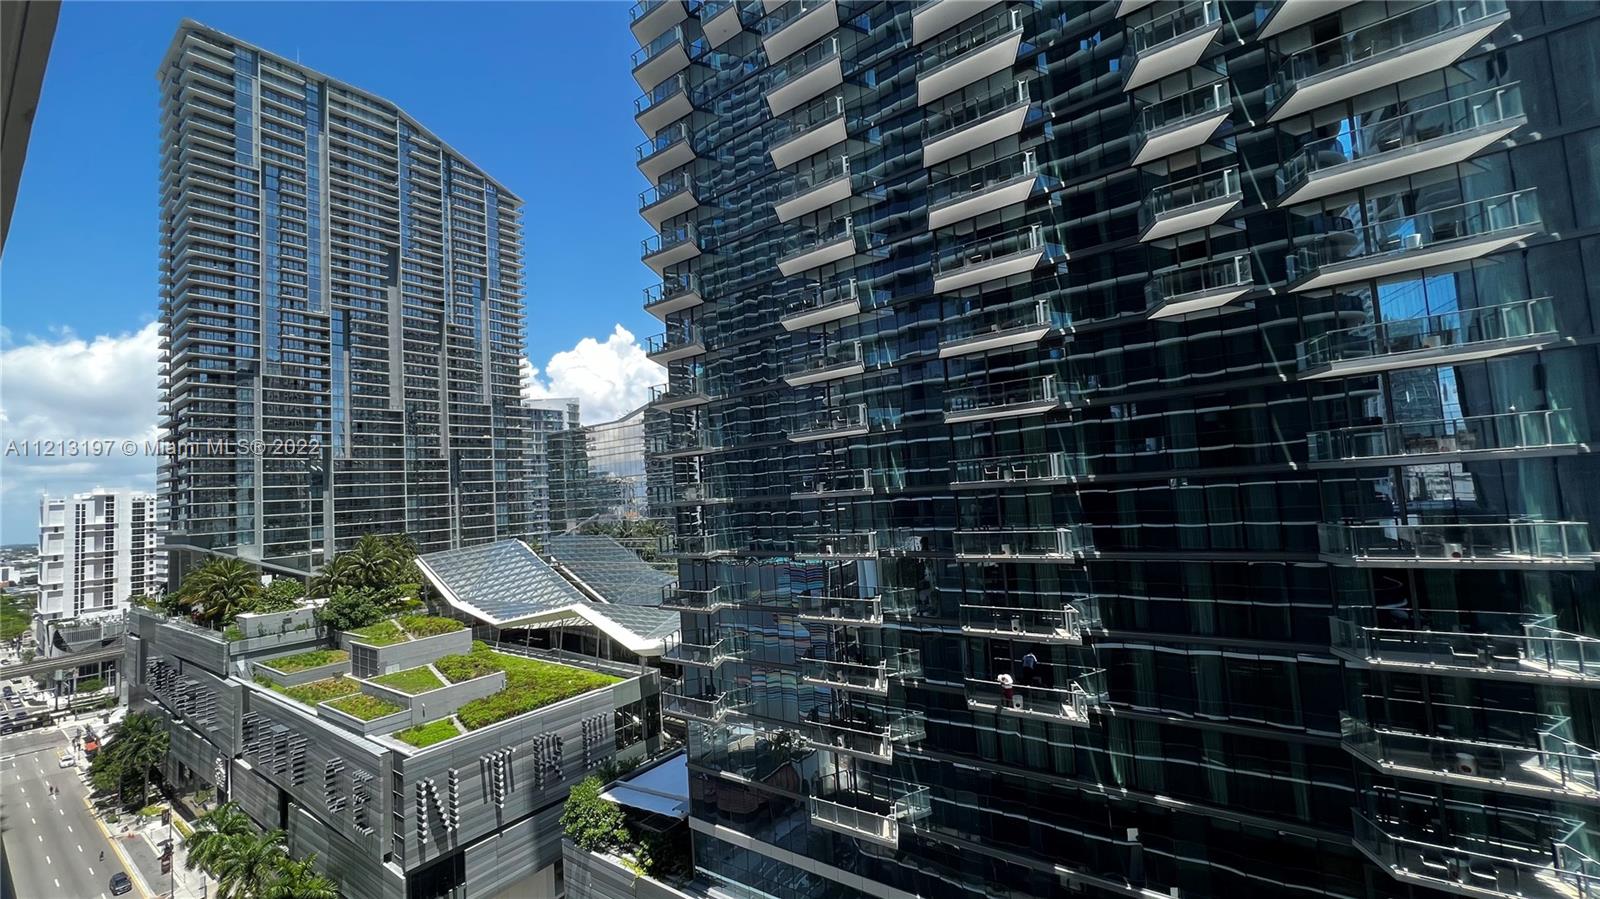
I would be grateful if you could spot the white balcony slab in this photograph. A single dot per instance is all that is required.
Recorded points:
(994, 269)
(1383, 69)
(1128, 7)
(1005, 122)
(664, 113)
(820, 315)
(825, 76)
(1199, 301)
(809, 142)
(939, 16)
(801, 32)
(658, 68)
(682, 251)
(1007, 410)
(998, 340)
(830, 373)
(1191, 218)
(1174, 56)
(1431, 256)
(653, 23)
(721, 28)
(818, 197)
(1289, 14)
(833, 251)
(684, 401)
(828, 434)
(1187, 135)
(665, 160)
(976, 64)
(678, 351)
(1453, 354)
(686, 300)
(1437, 153)
(676, 204)
(997, 196)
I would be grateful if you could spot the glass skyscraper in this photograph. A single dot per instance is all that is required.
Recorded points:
(341, 317)
(1131, 448)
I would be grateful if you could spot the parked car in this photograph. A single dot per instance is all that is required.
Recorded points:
(120, 883)
(67, 760)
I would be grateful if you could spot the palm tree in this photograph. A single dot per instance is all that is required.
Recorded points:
(139, 745)
(216, 592)
(213, 831)
(249, 864)
(300, 880)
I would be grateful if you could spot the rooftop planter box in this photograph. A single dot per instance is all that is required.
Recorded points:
(437, 701)
(409, 641)
(364, 714)
(303, 667)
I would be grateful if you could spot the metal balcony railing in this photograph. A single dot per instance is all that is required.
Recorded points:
(830, 420)
(1411, 233)
(1019, 468)
(968, 38)
(666, 40)
(1553, 764)
(954, 118)
(864, 611)
(1071, 703)
(1183, 109)
(1506, 542)
(667, 189)
(876, 813)
(831, 483)
(800, 63)
(1169, 27)
(666, 90)
(673, 287)
(705, 649)
(680, 336)
(666, 240)
(1068, 622)
(1205, 276)
(1460, 328)
(1500, 644)
(1189, 193)
(837, 543)
(1060, 543)
(852, 668)
(709, 707)
(1545, 863)
(952, 188)
(663, 140)
(842, 293)
(984, 251)
(844, 354)
(995, 323)
(676, 598)
(812, 177)
(1025, 393)
(863, 730)
(1534, 431)
(683, 387)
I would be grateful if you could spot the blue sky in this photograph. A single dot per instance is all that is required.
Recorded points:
(538, 94)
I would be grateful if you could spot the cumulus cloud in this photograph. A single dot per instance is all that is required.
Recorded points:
(71, 388)
(609, 379)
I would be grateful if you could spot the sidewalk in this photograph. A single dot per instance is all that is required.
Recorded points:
(144, 850)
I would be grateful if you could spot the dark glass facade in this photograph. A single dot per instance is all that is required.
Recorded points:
(1131, 448)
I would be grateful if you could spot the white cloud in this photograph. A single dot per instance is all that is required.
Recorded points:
(609, 379)
(68, 388)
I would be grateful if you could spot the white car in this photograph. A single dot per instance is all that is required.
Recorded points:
(66, 760)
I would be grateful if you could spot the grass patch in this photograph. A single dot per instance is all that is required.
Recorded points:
(151, 811)
(231, 633)
(365, 707)
(16, 614)
(530, 684)
(313, 692)
(302, 661)
(428, 734)
(410, 681)
(420, 626)
(384, 633)
(466, 667)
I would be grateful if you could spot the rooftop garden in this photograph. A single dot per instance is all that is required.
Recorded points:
(530, 684)
(304, 661)
(419, 626)
(411, 681)
(313, 692)
(218, 592)
(425, 735)
(384, 633)
(367, 708)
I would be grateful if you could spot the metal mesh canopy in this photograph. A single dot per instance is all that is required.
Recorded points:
(610, 569)
(649, 623)
(499, 583)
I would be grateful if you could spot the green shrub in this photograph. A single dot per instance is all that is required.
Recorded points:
(232, 633)
(410, 681)
(384, 633)
(302, 661)
(91, 684)
(420, 626)
(365, 707)
(593, 823)
(428, 734)
(466, 667)
(313, 692)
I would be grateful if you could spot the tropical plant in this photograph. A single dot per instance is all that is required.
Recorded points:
(91, 684)
(592, 823)
(213, 831)
(373, 563)
(137, 745)
(216, 592)
(248, 863)
(299, 880)
(352, 608)
(283, 594)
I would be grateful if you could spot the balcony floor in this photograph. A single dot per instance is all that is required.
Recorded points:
(1393, 262)
(1443, 355)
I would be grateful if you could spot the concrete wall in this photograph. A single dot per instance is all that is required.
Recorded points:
(400, 656)
(260, 625)
(299, 677)
(381, 725)
(440, 703)
(360, 875)
(592, 876)
(497, 865)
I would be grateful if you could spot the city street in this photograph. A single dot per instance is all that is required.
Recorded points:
(52, 844)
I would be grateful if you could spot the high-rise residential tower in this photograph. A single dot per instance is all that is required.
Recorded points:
(1132, 448)
(97, 550)
(342, 321)
(546, 416)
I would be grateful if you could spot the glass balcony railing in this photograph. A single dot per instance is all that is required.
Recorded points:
(875, 814)
(813, 177)
(832, 483)
(807, 117)
(1022, 397)
(865, 611)
(1053, 544)
(831, 420)
(1183, 109)
(1503, 750)
(681, 337)
(842, 293)
(1463, 329)
(670, 238)
(812, 239)
(666, 190)
(1071, 703)
(853, 668)
(1068, 622)
(714, 543)
(676, 36)
(1536, 856)
(1533, 431)
(683, 599)
(1398, 132)
(786, 15)
(1186, 20)
(708, 707)
(994, 324)
(673, 135)
(955, 188)
(1361, 45)
(661, 93)
(705, 649)
(693, 441)
(799, 64)
(710, 9)
(847, 544)
(863, 730)
(672, 289)
(645, 7)
(1172, 286)
(1492, 644)
(968, 38)
(1189, 194)
(684, 388)
(1501, 542)
(819, 360)
(979, 253)
(951, 119)
(1018, 468)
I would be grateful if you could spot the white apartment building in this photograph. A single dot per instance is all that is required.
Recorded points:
(96, 551)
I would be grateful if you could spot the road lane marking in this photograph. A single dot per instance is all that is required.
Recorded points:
(69, 828)
(58, 883)
(48, 861)
(80, 846)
